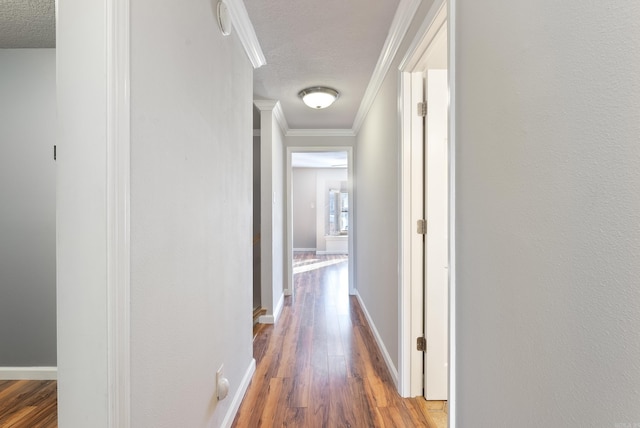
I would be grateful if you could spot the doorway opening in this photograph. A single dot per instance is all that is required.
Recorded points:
(319, 220)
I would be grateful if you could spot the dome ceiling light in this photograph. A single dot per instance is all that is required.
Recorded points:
(319, 97)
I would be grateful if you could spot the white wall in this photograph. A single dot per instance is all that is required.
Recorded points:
(191, 213)
(310, 187)
(326, 178)
(81, 192)
(191, 200)
(257, 291)
(377, 199)
(272, 211)
(27, 216)
(277, 194)
(548, 213)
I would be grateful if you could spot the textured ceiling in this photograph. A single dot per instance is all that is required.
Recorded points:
(306, 43)
(27, 24)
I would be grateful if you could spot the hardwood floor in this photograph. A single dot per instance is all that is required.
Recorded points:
(28, 404)
(320, 365)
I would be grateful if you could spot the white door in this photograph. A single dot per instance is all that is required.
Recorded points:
(436, 242)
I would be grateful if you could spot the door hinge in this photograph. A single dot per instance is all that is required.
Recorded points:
(55, 152)
(422, 109)
(421, 344)
(421, 227)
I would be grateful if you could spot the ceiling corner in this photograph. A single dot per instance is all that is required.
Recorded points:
(275, 107)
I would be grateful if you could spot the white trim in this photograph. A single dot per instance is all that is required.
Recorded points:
(385, 353)
(451, 39)
(281, 119)
(288, 223)
(408, 294)
(401, 22)
(266, 319)
(412, 204)
(278, 309)
(288, 289)
(28, 373)
(237, 399)
(431, 24)
(246, 32)
(118, 200)
(404, 298)
(320, 133)
(328, 253)
(303, 249)
(265, 105)
(275, 107)
(272, 319)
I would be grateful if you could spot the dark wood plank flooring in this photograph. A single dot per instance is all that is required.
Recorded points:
(320, 365)
(28, 404)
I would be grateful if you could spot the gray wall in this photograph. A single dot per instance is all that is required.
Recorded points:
(27, 208)
(548, 213)
(377, 205)
(303, 187)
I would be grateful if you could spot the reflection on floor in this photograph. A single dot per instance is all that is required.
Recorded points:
(308, 261)
(320, 366)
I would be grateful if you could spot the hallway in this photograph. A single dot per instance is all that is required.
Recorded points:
(320, 366)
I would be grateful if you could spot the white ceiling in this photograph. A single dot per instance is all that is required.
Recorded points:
(333, 43)
(27, 24)
(319, 160)
(306, 43)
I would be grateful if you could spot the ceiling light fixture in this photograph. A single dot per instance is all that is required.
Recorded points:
(318, 97)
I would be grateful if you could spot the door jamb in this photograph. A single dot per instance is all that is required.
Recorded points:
(441, 12)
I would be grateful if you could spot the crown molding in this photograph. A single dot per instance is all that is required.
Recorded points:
(265, 105)
(432, 23)
(321, 133)
(246, 32)
(401, 22)
(282, 121)
(276, 109)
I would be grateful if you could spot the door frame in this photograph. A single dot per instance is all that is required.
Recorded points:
(410, 291)
(288, 259)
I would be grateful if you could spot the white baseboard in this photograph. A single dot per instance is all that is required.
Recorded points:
(266, 319)
(278, 310)
(237, 399)
(385, 354)
(28, 373)
(299, 250)
(272, 319)
(326, 253)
